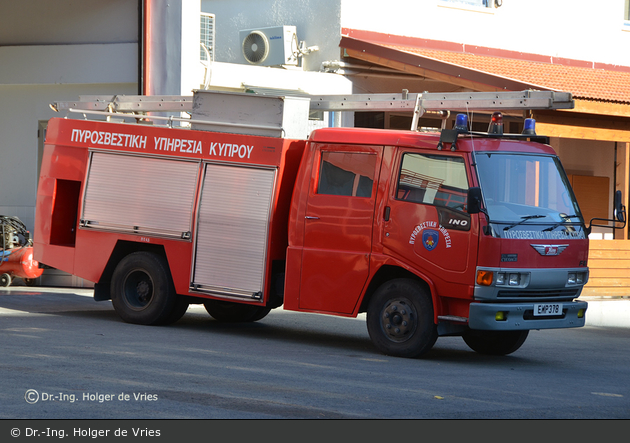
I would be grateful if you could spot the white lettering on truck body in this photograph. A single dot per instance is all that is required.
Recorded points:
(166, 144)
(230, 150)
(177, 145)
(109, 138)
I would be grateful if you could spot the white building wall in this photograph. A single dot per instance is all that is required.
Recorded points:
(317, 23)
(577, 29)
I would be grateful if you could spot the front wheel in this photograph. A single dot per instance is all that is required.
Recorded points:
(494, 342)
(142, 290)
(400, 319)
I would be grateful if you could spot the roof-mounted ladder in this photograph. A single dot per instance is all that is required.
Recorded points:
(418, 103)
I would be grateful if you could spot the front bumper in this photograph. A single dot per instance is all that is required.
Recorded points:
(519, 316)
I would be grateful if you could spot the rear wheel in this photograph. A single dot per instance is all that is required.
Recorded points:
(235, 312)
(494, 342)
(142, 291)
(400, 319)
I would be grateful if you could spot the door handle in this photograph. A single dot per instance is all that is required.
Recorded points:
(311, 217)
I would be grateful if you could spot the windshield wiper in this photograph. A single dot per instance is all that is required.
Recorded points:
(551, 228)
(524, 219)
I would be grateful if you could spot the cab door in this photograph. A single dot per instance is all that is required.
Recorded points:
(428, 226)
(338, 227)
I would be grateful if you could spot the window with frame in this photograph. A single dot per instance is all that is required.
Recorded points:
(434, 180)
(207, 36)
(346, 173)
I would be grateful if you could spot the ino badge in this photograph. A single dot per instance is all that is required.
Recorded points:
(429, 233)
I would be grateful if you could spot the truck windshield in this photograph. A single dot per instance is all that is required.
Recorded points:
(528, 196)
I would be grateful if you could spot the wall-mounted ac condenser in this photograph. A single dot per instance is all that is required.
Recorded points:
(273, 46)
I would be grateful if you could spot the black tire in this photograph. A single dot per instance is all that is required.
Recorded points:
(225, 311)
(5, 280)
(400, 319)
(143, 293)
(494, 342)
(29, 281)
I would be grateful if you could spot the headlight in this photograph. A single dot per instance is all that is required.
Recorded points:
(576, 278)
(500, 278)
(515, 279)
(511, 278)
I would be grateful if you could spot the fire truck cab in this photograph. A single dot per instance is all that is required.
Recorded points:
(391, 219)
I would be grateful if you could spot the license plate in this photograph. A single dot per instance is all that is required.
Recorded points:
(544, 309)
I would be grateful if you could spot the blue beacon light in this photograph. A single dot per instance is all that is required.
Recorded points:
(461, 122)
(529, 128)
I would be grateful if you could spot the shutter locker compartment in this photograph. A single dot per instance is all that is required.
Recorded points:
(140, 195)
(232, 231)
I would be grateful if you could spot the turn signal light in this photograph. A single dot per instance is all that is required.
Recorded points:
(500, 316)
(484, 278)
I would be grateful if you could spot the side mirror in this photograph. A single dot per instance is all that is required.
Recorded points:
(473, 202)
(619, 214)
(620, 209)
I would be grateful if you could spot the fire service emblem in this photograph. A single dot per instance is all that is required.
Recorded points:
(430, 239)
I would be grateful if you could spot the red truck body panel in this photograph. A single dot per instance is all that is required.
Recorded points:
(61, 243)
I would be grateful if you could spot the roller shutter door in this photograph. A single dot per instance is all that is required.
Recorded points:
(140, 195)
(232, 232)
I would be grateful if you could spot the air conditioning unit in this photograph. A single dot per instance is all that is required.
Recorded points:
(273, 46)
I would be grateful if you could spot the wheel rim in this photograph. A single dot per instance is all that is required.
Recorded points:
(138, 290)
(398, 320)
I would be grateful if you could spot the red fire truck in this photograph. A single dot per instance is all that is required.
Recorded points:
(429, 233)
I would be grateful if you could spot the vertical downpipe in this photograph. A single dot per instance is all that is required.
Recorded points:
(145, 35)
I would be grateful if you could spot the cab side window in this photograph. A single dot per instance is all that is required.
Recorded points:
(346, 173)
(438, 180)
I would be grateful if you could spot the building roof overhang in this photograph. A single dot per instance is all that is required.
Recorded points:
(601, 92)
